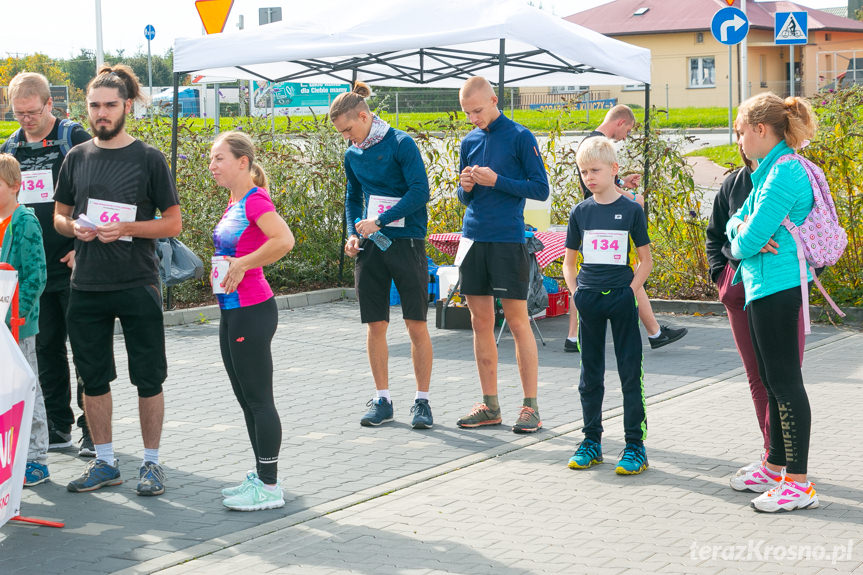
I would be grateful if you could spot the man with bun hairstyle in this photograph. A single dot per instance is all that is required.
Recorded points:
(387, 193)
(107, 195)
(500, 168)
(39, 145)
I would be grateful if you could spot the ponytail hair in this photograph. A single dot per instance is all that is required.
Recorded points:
(120, 77)
(351, 102)
(792, 118)
(240, 144)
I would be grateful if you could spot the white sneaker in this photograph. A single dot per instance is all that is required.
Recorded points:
(753, 466)
(756, 481)
(787, 496)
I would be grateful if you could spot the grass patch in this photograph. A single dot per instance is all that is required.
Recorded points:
(724, 155)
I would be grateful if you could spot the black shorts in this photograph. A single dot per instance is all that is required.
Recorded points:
(501, 270)
(404, 263)
(90, 322)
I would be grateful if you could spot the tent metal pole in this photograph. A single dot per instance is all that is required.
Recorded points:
(175, 113)
(646, 175)
(501, 94)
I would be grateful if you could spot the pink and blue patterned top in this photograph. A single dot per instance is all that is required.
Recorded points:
(237, 234)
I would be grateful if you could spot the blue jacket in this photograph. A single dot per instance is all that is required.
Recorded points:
(497, 214)
(23, 250)
(393, 167)
(777, 191)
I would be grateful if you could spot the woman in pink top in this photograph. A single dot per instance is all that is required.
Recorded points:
(249, 236)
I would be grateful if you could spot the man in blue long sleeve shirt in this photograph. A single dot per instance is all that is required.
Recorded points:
(500, 168)
(387, 192)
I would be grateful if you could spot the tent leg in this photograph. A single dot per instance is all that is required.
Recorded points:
(174, 114)
(646, 175)
(501, 76)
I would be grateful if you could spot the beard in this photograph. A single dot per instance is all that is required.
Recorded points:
(104, 132)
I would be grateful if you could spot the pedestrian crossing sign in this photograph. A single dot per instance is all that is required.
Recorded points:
(791, 28)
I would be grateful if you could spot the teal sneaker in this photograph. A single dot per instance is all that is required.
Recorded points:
(256, 497)
(380, 411)
(35, 473)
(422, 415)
(588, 454)
(96, 475)
(237, 489)
(633, 460)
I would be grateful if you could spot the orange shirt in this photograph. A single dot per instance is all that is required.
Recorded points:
(3, 225)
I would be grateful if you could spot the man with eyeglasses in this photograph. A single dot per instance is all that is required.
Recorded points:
(40, 148)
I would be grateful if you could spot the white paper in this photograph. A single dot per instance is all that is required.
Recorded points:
(102, 212)
(37, 187)
(464, 245)
(379, 205)
(605, 247)
(218, 272)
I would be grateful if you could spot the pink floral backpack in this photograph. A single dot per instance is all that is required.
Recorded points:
(820, 239)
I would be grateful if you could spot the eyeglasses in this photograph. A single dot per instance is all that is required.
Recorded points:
(20, 116)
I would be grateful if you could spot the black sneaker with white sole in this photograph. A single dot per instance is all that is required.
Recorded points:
(666, 335)
(58, 439)
(85, 444)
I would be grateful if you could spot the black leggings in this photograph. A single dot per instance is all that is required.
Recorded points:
(245, 335)
(773, 325)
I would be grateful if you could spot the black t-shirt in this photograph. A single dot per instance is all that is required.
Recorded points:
(601, 232)
(50, 158)
(137, 175)
(587, 193)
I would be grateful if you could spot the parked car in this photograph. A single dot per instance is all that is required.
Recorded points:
(851, 76)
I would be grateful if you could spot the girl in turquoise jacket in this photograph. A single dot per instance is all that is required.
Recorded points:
(768, 128)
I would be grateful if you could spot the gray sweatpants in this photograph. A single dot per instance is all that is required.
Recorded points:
(38, 449)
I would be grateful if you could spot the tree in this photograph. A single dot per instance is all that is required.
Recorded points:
(40, 63)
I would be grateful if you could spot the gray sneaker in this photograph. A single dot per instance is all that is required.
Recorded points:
(151, 479)
(528, 421)
(480, 415)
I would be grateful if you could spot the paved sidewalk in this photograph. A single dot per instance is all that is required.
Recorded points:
(395, 500)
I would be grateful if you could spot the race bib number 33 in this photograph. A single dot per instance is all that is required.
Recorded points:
(605, 247)
(380, 204)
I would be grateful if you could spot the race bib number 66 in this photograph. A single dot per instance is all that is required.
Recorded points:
(605, 247)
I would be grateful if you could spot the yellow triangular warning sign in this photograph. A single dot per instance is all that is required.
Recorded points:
(214, 14)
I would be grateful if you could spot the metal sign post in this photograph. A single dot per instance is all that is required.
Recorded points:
(149, 34)
(730, 26)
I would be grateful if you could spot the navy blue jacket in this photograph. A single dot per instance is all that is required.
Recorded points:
(497, 214)
(393, 167)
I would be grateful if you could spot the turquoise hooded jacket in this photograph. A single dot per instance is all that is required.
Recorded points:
(777, 191)
(22, 249)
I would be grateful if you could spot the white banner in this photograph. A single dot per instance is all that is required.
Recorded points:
(8, 282)
(17, 391)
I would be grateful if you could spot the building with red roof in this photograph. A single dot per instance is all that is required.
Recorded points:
(691, 68)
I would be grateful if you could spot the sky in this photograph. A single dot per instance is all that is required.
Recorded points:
(67, 26)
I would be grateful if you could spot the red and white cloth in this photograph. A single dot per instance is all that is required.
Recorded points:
(554, 242)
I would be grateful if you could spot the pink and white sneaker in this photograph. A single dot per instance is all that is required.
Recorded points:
(787, 496)
(754, 465)
(757, 481)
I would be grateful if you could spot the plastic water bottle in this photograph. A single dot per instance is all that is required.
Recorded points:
(380, 240)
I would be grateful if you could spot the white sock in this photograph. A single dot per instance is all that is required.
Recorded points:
(573, 339)
(105, 452)
(422, 395)
(151, 455)
(385, 393)
(271, 487)
(654, 336)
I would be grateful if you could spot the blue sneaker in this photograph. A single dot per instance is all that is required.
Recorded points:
(633, 460)
(97, 474)
(588, 454)
(151, 479)
(380, 411)
(35, 474)
(422, 414)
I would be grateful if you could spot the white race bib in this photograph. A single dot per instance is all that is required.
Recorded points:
(605, 247)
(464, 246)
(102, 212)
(218, 273)
(378, 205)
(37, 187)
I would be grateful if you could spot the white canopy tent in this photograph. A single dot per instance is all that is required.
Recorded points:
(416, 42)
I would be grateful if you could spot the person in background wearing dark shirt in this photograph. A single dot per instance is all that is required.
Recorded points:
(40, 151)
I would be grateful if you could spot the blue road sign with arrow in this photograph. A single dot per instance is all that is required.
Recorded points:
(791, 28)
(149, 32)
(729, 26)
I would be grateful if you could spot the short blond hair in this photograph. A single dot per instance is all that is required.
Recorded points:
(29, 84)
(595, 149)
(620, 112)
(10, 170)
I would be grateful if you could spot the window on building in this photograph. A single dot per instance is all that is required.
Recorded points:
(762, 70)
(569, 89)
(699, 37)
(702, 72)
